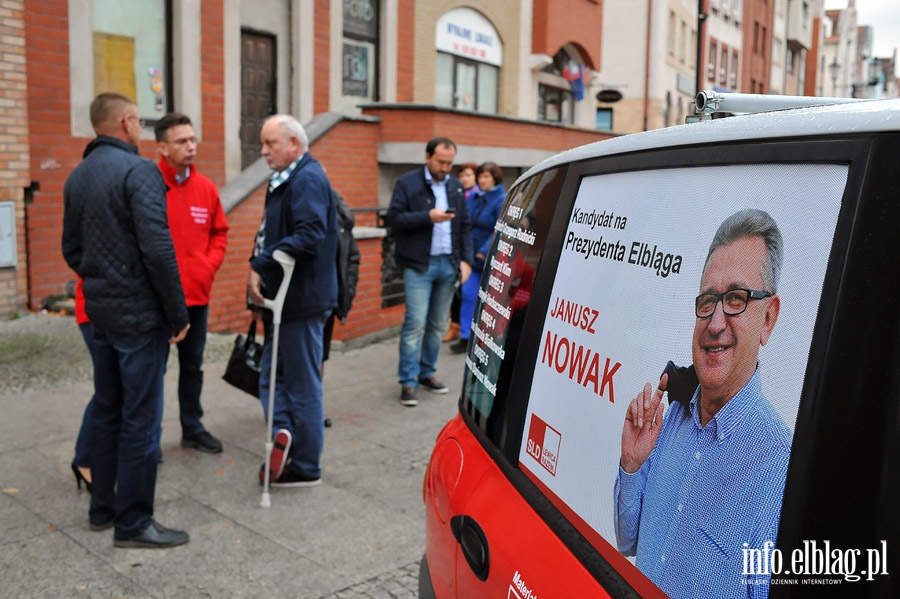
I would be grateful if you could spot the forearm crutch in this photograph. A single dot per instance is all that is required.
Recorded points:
(275, 305)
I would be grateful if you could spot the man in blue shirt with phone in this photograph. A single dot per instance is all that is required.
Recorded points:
(433, 247)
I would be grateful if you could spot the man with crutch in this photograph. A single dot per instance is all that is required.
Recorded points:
(300, 219)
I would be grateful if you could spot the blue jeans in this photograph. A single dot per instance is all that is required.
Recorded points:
(124, 442)
(468, 298)
(84, 433)
(428, 297)
(190, 371)
(298, 405)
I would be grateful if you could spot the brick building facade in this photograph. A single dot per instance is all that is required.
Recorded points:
(49, 71)
(15, 183)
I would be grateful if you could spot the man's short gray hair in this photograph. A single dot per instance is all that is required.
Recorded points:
(753, 223)
(293, 127)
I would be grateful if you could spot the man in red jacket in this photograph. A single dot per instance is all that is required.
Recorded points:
(200, 235)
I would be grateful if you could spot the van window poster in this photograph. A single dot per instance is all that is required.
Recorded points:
(681, 474)
(505, 293)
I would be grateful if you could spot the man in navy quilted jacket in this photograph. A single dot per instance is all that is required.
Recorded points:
(116, 237)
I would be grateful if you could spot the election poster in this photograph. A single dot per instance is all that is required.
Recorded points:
(641, 284)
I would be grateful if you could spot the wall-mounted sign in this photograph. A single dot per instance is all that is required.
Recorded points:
(357, 72)
(609, 95)
(465, 32)
(361, 18)
(8, 252)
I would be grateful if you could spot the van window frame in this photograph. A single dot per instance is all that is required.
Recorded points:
(856, 150)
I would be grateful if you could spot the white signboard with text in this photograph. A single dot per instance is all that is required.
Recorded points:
(465, 32)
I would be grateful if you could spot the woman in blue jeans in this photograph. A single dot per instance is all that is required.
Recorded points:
(80, 466)
(484, 210)
(465, 172)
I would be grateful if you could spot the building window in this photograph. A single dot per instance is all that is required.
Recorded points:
(682, 41)
(790, 60)
(131, 53)
(465, 84)
(670, 43)
(692, 57)
(555, 105)
(723, 67)
(801, 71)
(359, 56)
(469, 57)
(557, 94)
(711, 72)
(604, 120)
(667, 113)
(734, 70)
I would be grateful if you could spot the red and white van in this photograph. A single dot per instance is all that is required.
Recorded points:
(601, 272)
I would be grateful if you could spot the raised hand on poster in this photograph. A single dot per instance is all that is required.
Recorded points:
(643, 421)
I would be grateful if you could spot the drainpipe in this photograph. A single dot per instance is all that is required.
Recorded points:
(701, 18)
(647, 63)
(787, 45)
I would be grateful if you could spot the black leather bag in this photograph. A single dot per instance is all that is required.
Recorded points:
(243, 365)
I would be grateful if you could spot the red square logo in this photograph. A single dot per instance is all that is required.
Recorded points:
(543, 444)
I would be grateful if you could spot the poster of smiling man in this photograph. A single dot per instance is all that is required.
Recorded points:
(669, 444)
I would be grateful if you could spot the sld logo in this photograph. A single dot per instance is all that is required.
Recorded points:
(543, 444)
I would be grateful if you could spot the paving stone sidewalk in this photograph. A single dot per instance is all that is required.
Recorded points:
(359, 535)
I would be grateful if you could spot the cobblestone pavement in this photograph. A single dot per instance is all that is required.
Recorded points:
(402, 583)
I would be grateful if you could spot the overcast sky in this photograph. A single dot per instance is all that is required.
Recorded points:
(884, 18)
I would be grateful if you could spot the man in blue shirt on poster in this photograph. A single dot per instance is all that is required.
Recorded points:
(703, 483)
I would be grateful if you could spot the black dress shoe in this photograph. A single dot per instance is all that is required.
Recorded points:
(100, 526)
(202, 441)
(432, 384)
(155, 536)
(460, 346)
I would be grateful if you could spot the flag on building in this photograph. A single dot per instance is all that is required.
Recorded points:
(574, 74)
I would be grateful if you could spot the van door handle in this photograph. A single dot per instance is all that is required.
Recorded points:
(473, 543)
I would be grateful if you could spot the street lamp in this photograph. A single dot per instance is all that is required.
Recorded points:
(833, 69)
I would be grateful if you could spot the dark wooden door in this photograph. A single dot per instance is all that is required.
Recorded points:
(257, 90)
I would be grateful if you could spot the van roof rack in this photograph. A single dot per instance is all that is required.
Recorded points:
(709, 102)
